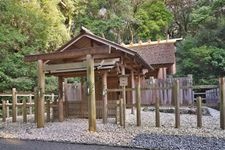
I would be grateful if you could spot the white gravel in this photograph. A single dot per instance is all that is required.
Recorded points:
(146, 136)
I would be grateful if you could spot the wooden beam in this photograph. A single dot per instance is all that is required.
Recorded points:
(41, 91)
(176, 97)
(67, 54)
(91, 94)
(105, 97)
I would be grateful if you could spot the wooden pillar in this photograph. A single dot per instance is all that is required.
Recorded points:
(105, 98)
(222, 103)
(91, 93)
(176, 92)
(14, 101)
(199, 112)
(41, 91)
(65, 99)
(138, 99)
(133, 92)
(60, 103)
(124, 99)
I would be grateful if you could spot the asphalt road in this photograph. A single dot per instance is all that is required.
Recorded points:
(14, 144)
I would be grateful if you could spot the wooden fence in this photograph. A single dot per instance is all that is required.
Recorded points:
(164, 91)
(22, 104)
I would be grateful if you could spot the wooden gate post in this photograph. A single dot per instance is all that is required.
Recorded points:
(138, 101)
(41, 91)
(199, 112)
(105, 98)
(91, 93)
(3, 111)
(176, 97)
(14, 101)
(222, 103)
(24, 111)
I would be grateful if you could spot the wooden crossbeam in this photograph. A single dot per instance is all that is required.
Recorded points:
(68, 54)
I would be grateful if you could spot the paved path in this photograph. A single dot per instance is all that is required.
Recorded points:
(14, 144)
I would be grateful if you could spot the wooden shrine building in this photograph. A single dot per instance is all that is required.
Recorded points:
(100, 64)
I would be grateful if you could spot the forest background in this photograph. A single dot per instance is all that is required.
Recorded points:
(39, 26)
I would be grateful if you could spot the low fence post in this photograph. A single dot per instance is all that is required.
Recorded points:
(24, 111)
(3, 111)
(199, 112)
(222, 103)
(121, 112)
(117, 110)
(176, 96)
(48, 111)
(14, 101)
(157, 115)
(30, 102)
(7, 109)
(35, 104)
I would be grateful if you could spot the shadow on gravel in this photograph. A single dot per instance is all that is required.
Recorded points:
(175, 142)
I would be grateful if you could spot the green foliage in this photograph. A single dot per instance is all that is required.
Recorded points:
(153, 18)
(203, 53)
(26, 28)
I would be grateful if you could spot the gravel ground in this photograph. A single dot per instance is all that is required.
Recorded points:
(146, 136)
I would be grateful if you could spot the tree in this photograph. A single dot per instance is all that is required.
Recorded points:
(26, 28)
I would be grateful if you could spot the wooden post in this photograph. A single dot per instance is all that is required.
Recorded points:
(24, 111)
(30, 102)
(91, 93)
(138, 99)
(199, 112)
(222, 103)
(133, 92)
(157, 114)
(60, 103)
(121, 112)
(65, 99)
(35, 104)
(176, 92)
(117, 111)
(14, 101)
(7, 109)
(124, 99)
(105, 98)
(3, 111)
(41, 91)
(48, 111)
